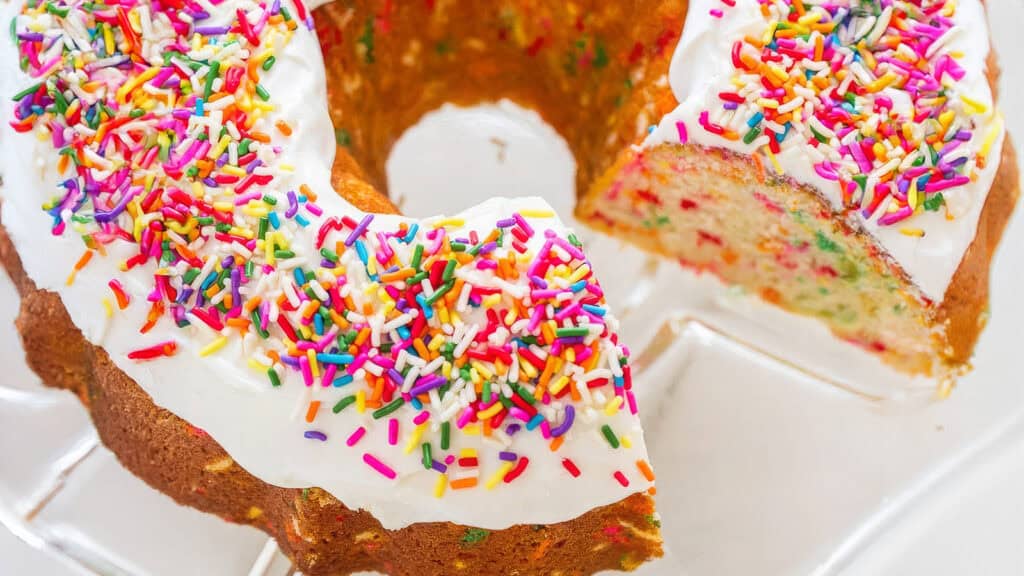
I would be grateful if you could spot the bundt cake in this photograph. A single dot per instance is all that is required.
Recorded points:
(449, 395)
(844, 160)
(379, 393)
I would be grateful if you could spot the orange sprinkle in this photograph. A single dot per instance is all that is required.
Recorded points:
(283, 127)
(556, 443)
(308, 192)
(260, 137)
(645, 469)
(314, 407)
(463, 483)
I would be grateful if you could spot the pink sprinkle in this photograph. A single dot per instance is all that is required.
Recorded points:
(684, 137)
(466, 416)
(356, 437)
(393, 431)
(621, 478)
(421, 418)
(716, 12)
(379, 466)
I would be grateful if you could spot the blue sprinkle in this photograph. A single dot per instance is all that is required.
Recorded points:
(199, 107)
(619, 381)
(416, 403)
(300, 277)
(595, 310)
(361, 250)
(534, 422)
(274, 220)
(301, 220)
(411, 235)
(755, 119)
(428, 312)
(342, 380)
(335, 359)
(318, 324)
(578, 286)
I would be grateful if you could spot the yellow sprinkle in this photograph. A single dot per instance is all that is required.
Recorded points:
(490, 412)
(579, 274)
(134, 83)
(559, 384)
(435, 343)
(314, 365)
(536, 213)
(912, 194)
(612, 406)
(214, 346)
(440, 485)
(626, 441)
(108, 307)
(446, 369)
(774, 160)
(482, 370)
(242, 232)
(233, 171)
(975, 106)
(497, 476)
(414, 438)
(881, 83)
(471, 429)
(492, 301)
(467, 453)
(361, 401)
(527, 368)
(990, 137)
(766, 103)
(456, 222)
(257, 366)
(916, 232)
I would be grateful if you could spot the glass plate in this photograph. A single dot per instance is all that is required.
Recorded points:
(778, 450)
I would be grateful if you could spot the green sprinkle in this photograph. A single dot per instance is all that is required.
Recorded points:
(329, 254)
(275, 380)
(934, 202)
(826, 244)
(571, 332)
(525, 395)
(267, 198)
(444, 289)
(284, 254)
(262, 230)
(26, 92)
(449, 270)
(752, 134)
(428, 458)
(417, 256)
(343, 138)
(256, 321)
(388, 409)
(212, 75)
(269, 63)
(475, 536)
(446, 434)
(610, 436)
(344, 403)
(262, 93)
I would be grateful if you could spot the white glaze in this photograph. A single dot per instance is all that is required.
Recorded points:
(262, 427)
(702, 67)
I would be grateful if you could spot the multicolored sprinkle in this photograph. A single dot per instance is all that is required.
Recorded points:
(871, 91)
(163, 131)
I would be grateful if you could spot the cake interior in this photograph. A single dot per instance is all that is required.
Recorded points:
(717, 211)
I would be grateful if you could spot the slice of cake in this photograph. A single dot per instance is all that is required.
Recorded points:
(842, 160)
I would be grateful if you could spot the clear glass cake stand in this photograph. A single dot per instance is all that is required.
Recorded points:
(778, 451)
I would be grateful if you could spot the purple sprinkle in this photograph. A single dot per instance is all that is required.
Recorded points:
(507, 456)
(506, 223)
(315, 435)
(358, 231)
(212, 30)
(438, 466)
(570, 416)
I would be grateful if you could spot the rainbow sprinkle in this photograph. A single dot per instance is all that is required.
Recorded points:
(869, 89)
(163, 132)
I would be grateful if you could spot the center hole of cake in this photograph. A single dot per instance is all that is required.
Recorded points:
(455, 158)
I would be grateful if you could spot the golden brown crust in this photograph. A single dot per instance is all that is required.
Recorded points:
(321, 535)
(965, 307)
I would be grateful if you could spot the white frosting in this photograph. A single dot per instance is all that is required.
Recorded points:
(702, 67)
(262, 427)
